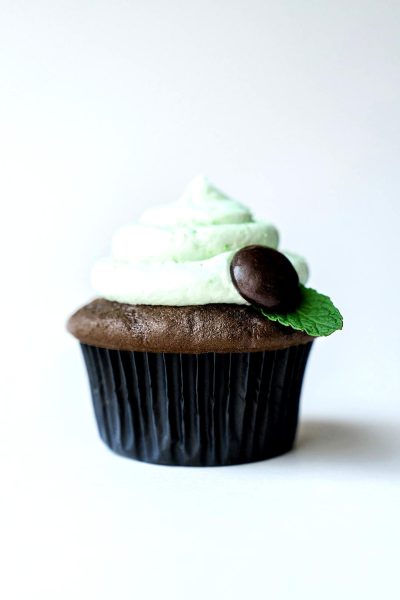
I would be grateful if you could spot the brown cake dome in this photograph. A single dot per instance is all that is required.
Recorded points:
(184, 329)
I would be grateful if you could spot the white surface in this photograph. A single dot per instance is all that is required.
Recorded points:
(109, 107)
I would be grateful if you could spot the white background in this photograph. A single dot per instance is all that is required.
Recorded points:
(293, 107)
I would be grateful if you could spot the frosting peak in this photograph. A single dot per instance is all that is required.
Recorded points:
(200, 204)
(179, 254)
(200, 188)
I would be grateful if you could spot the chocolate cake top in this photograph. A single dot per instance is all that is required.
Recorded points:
(180, 329)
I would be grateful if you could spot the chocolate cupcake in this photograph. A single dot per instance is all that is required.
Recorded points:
(197, 345)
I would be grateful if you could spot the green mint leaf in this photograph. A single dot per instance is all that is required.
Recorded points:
(316, 315)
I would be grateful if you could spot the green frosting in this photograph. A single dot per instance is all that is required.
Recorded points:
(316, 315)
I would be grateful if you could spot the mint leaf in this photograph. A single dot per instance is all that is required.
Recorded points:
(316, 315)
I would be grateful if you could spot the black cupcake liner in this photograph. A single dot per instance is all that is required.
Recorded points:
(197, 409)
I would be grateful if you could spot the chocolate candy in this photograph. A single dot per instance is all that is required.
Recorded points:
(265, 278)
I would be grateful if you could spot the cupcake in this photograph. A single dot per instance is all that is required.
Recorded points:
(198, 341)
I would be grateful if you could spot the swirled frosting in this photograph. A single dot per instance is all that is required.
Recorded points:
(179, 254)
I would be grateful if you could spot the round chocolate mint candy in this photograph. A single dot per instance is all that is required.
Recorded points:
(265, 278)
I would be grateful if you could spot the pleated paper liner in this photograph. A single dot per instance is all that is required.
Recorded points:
(197, 409)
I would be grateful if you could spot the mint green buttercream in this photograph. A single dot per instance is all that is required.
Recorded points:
(179, 253)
